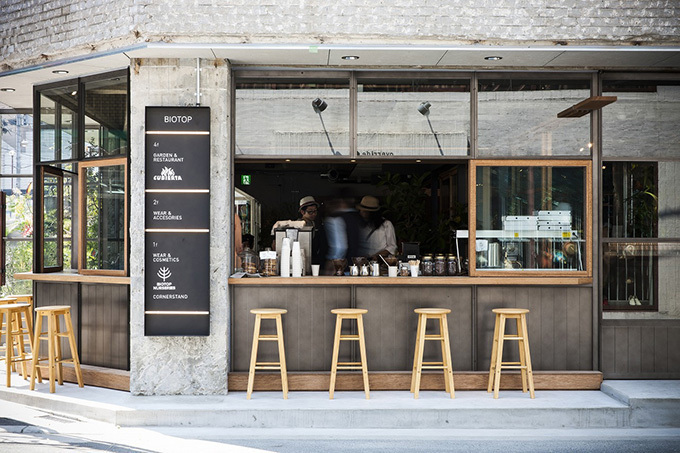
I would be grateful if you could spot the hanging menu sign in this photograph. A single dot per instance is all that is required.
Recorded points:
(177, 222)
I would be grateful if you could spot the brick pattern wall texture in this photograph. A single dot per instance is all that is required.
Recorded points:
(32, 31)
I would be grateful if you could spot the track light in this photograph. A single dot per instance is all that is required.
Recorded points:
(424, 109)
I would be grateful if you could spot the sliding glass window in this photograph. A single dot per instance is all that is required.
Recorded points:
(518, 116)
(531, 217)
(413, 117)
(284, 117)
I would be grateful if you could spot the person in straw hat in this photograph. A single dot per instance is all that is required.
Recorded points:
(309, 212)
(380, 235)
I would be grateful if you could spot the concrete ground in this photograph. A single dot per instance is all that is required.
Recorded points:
(625, 416)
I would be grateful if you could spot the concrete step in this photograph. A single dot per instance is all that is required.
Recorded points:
(349, 410)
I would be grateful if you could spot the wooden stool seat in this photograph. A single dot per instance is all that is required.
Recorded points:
(342, 314)
(349, 311)
(16, 324)
(53, 337)
(522, 338)
(275, 314)
(443, 337)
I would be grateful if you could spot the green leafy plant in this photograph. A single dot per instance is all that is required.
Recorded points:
(19, 252)
(407, 205)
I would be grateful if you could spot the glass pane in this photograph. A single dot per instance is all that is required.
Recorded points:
(69, 259)
(531, 218)
(58, 123)
(280, 119)
(106, 117)
(51, 193)
(642, 276)
(16, 150)
(19, 213)
(19, 258)
(105, 217)
(414, 118)
(643, 121)
(518, 117)
(630, 199)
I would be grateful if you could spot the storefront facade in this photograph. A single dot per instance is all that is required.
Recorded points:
(490, 139)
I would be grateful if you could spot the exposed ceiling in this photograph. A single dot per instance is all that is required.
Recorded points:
(330, 56)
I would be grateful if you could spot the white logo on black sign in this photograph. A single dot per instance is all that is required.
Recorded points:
(167, 174)
(164, 273)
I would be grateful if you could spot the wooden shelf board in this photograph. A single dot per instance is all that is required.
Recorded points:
(72, 277)
(586, 106)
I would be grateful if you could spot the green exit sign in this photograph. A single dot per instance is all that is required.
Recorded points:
(245, 180)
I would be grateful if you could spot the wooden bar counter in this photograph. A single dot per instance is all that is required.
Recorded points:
(560, 322)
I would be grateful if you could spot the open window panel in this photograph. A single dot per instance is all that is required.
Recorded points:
(51, 220)
(531, 218)
(103, 217)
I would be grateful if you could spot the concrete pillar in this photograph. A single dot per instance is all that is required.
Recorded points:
(181, 365)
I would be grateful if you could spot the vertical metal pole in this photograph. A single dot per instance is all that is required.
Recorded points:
(198, 82)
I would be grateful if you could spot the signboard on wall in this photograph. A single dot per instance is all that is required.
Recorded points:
(177, 222)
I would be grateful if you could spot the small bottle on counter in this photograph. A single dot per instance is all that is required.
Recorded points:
(451, 265)
(427, 265)
(439, 265)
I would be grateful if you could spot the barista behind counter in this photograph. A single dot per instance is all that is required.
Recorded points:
(311, 232)
(309, 212)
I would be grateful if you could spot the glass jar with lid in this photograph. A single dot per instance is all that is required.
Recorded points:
(451, 264)
(427, 265)
(439, 265)
(248, 261)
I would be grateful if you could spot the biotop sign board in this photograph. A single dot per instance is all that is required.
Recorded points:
(177, 222)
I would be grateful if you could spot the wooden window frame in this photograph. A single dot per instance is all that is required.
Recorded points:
(587, 206)
(82, 213)
(42, 171)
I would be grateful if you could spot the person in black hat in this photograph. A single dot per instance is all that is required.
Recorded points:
(309, 212)
(380, 236)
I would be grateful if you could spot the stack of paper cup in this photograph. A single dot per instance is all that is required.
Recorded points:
(285, 258)
(297, 260)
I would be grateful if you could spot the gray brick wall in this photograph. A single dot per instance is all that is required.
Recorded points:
(31, 30)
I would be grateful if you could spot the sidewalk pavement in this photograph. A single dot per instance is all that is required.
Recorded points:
(619, 404)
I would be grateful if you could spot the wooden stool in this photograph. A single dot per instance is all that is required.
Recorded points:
(5, 301)
(260, 314)
(52, 336)
(349, 313)
(522, 338)
(16, 324)
(423, 315)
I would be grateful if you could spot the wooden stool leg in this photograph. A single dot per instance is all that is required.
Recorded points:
(494, 352)
(74, 351)
(362, 349)
(499, 357)
(421, 347)
(21, 345)
(336, 350)
(36, 352)
(50, 348)
(522, 358)
(527, 356)
(282, 357)
(32, 343)
(415, 355)
(253, 356)
(446, 356)
(8, 348)
(57, 349)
